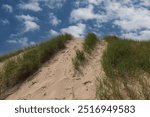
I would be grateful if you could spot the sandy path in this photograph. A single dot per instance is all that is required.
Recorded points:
(85, 87)
(58, 80)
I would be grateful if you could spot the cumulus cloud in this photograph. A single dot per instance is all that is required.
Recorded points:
(52, 33)
(24, 41)
(51, 3)
(26, 17)
(33, 6)
(85, 14)
(145, 3)
(5, 21)
(95, 2)
(31, 26)
(54, 20)
(128, 16)
(131, 19)
(76, 30)
(142, 35)
(29, 22)
(7, 8)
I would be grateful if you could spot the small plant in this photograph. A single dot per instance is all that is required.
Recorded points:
(90, 42)
(79, 59)
(88, 45)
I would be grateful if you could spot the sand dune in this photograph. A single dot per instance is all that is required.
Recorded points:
(1, 65)
(57, 79)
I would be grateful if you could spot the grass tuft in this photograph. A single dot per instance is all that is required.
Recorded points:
(90, 42)
(79, 59)
(88, 45)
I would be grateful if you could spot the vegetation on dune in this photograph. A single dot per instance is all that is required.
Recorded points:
(127, 67)
(125, 58)
(7, 56)
(126, 64)
(88, 45)
(79, 59)
(17, 70)
(90, 42)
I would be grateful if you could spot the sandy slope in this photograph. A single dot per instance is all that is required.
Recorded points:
(1, 65)
(58, 80)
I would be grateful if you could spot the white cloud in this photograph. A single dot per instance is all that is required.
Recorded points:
(52, 3)
(95, 2)
(24, 41)
(26, 18)
(33, 6)
(145, 2)
(131, 19)
(54, 20)
(4, 21)
(31, 26)
(12, 41)
(55, 3)
(52, 33)
(81, 3)
(127, 15)
(76, 30)
(7, 8)
(86, 14)
(29, 22)
(142, 35)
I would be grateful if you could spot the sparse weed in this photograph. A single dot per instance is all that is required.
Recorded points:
(79, 59)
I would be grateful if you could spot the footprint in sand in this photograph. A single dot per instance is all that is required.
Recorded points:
(32, 83)
(87, 82)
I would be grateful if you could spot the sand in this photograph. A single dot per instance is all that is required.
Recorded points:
(1, 65)
(57, 78)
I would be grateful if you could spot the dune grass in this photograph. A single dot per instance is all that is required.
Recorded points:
(90, 42)
(7, 56)
(19, 69)
(88, 45)
(127, 67)
(79, 59)
(125, 58)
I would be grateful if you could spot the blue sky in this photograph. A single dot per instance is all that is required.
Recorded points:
(26, 22)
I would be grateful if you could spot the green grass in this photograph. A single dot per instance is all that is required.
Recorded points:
(19, 69)
(79, 59)
(88, 45)
(125, 58)
(7, 56)
(90, 42)
(127, 67)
